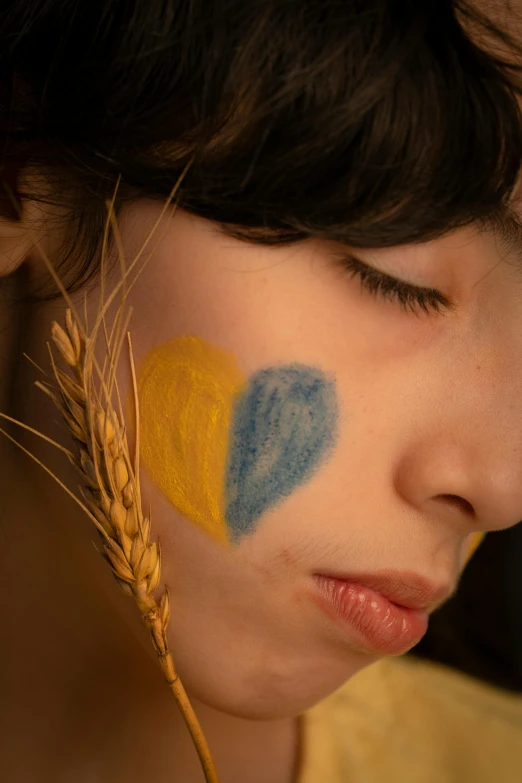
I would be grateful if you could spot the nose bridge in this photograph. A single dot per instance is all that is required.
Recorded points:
(491, 371)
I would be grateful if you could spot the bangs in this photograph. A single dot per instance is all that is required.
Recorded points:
(367, 122)
(400, 137)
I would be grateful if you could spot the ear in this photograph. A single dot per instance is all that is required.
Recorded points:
(16, 236)
(16, 241)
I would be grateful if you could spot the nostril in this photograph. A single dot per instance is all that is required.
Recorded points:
(458, 501)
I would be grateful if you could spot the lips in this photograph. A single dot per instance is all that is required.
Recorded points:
(371, 622)
(404, 588)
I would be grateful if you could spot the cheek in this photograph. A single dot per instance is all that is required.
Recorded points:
(224, 449)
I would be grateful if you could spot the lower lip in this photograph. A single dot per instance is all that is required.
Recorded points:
(374, 623)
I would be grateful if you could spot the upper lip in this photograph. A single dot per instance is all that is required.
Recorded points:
(404, 588)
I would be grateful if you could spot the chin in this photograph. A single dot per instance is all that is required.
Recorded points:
(267, 690)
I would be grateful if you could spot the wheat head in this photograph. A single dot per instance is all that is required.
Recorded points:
(111, 493)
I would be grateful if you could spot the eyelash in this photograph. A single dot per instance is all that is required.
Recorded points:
(410, 297)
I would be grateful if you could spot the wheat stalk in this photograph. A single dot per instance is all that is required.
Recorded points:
(110, 492)
(110, 488)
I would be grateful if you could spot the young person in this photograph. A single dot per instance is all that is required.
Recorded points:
(327, 339)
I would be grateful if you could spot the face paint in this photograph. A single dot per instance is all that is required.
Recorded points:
(224, 450)
(186, 390)
(283, 426)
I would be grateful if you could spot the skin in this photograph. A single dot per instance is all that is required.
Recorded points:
(410, 478)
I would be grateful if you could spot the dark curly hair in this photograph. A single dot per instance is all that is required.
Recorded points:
(367, 122)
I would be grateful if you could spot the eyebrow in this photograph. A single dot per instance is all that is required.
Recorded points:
(505, 225)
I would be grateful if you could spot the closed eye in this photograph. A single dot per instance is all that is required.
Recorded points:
(411, 298)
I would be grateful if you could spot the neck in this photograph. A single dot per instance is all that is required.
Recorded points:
(83, 697)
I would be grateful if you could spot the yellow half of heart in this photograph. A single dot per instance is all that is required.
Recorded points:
(186, 391)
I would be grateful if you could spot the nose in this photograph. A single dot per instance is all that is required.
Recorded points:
(473, 482)
(461, 461)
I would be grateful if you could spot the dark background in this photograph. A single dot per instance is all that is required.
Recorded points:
(479, 631)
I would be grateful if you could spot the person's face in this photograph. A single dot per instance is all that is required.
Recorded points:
(293, 423)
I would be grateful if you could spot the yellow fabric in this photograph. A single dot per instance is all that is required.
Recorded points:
(476, 540)
(403, 720)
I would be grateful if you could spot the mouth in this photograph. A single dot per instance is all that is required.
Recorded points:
(404, 588)
(385, 612)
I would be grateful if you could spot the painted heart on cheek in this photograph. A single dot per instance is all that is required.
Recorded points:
(224, 449)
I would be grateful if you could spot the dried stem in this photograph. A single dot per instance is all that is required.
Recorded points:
(110, 488)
